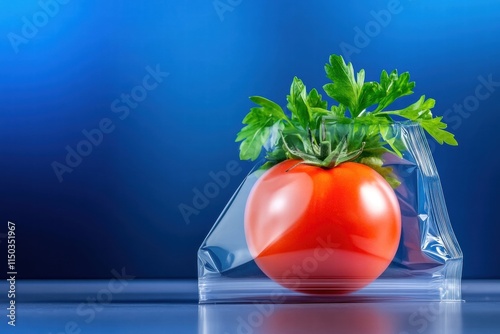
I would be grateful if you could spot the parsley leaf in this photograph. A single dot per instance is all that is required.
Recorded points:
(297, 102)
(420, 112)
(393, 87)
(345, 87)
(258, 129)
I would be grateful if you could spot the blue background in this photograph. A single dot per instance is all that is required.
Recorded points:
(120, 206)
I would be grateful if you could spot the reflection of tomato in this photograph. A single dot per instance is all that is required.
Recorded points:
(329, 319)
(322, 231)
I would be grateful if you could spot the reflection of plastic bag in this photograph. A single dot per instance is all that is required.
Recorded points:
(426, 266)
(379, 318)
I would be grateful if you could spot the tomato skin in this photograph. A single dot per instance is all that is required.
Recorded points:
(322, 231)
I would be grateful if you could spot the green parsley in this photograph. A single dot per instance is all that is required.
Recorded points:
(314, 134)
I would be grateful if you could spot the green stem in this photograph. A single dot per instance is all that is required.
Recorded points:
(325, 149)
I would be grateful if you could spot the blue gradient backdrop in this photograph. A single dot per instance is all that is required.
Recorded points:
(119, 206)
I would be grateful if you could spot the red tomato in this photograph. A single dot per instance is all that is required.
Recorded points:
(322, 231)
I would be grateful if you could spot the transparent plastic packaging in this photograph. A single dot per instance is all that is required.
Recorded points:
(426, 266)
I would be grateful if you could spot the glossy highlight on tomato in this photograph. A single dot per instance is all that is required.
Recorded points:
(322, 231)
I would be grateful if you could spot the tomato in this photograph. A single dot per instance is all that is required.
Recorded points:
(322, 231)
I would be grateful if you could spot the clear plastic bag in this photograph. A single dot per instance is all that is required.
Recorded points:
(426, 266)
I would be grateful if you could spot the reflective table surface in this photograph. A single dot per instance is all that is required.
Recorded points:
(135, 306)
